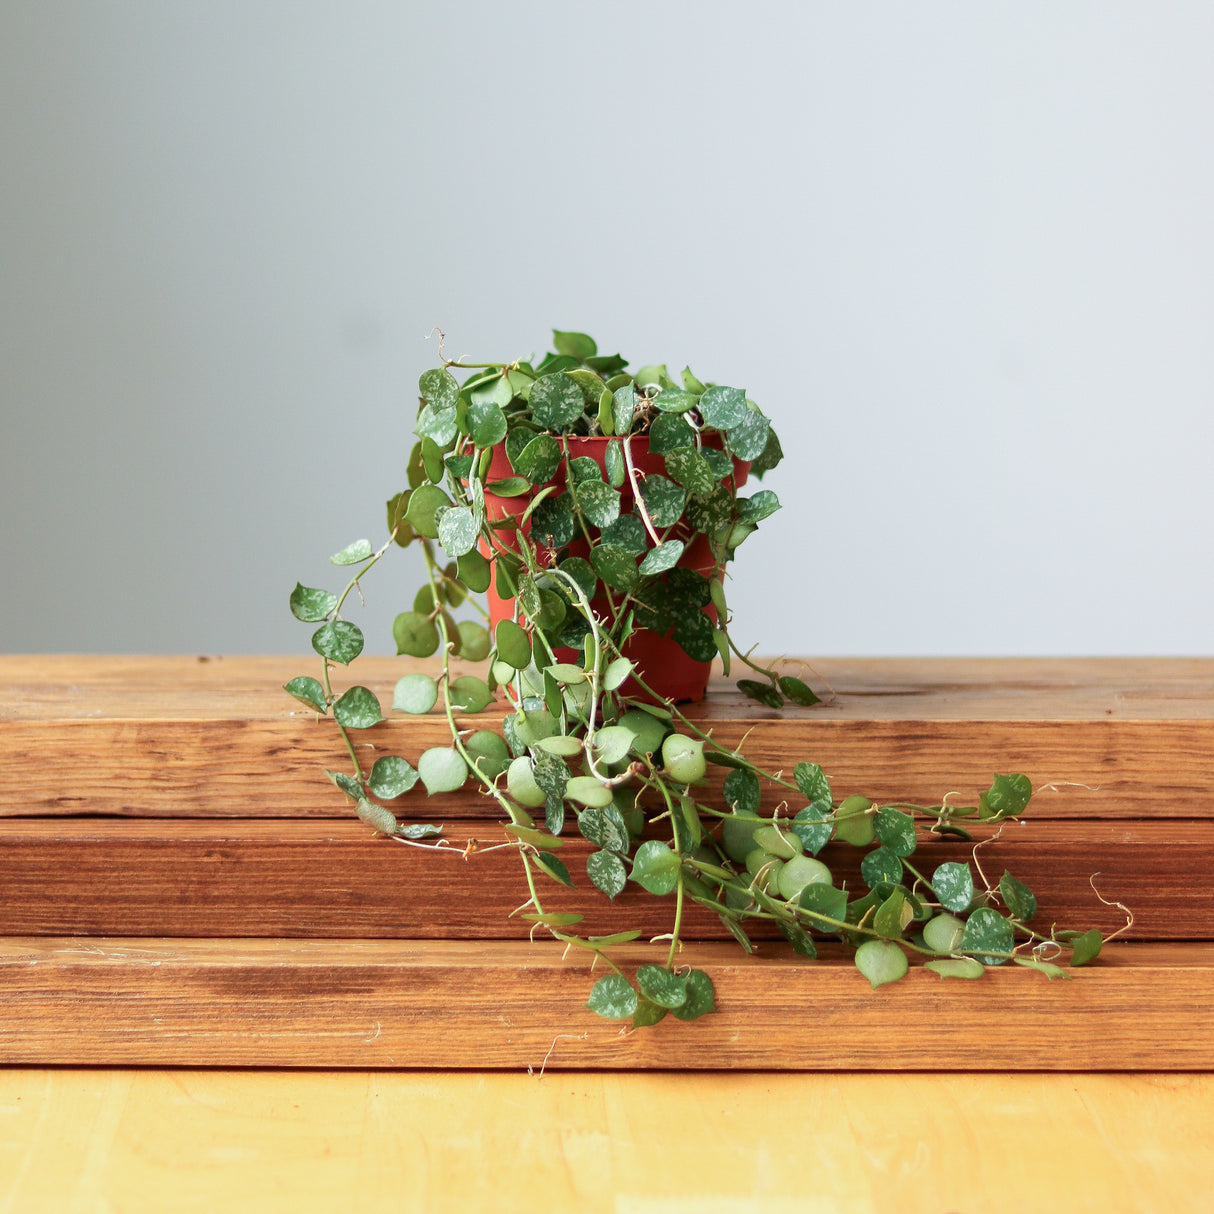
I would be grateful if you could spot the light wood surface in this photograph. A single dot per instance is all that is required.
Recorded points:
(83, 1142)
(270, 877)
(365, 1003)
(173, 737)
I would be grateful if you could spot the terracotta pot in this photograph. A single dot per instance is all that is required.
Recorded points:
(660, 660)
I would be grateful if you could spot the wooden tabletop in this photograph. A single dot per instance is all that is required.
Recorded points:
(361, 1143)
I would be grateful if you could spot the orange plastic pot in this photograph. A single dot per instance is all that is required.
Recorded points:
(660, 661)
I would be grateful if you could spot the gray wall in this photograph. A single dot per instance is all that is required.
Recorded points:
(962, 253)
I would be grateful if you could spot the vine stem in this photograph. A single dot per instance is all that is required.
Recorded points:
(636, 491)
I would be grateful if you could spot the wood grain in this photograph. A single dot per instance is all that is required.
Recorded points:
(179, 737)
(370, 1004)
(354, 1142)
(153, 877)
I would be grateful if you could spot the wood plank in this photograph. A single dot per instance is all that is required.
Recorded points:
(601, 1143)
(371, 1004)
(182, 737)
(58, 687)
(156, 877)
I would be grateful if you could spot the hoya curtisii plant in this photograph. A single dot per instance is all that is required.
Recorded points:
(584, 552)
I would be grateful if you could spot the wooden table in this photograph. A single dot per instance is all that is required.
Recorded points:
(183, 888)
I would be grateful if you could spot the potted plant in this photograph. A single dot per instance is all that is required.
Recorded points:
(598, 509)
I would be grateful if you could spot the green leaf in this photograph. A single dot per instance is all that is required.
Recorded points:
(1086, 948)
(770, 456)
(486, 423)
(881, 866)
(701, 997)
(893, 916)
(495, 391)
(711, 514)
(348, 784)
(797, 691)
(647, 1014)
(762, 693)
(606, 364)
(1007, 797)
(987, 933)
(357, 708)
(664, 556)
(398, 528)
(419, 830)
(554, 867)
(1047, 968)
(613, 463)
(470, 694)
(742, 791)
(802, 942)
(438, 425)
(576, 345)
(748, 438)
(353, 554)
(812, 781)
(953, 885)
(582, 572)
(415, 634)
(584, 468)
(623, 406)
(424, 502)
(458, 531)
(606, 870)
(613, 743)
(690, 382)
(599, 502)
(556, 402)
(551, 774)
(689, 468)
(391, 777)
(809, 826)
(822, 899)
(307, 690)
(604, 827)
(439, 388)
(697, 637)
(586, 790)
(668, 432)
(881, 961)
(552, 521)
(377, 817)
(442, 769)
(1017, 897)
(489, 754)
(664, 500)
(675, 400)
(339, 641)
(474, 571)
(653, 374)
(896, 830)
(656, 867)
(474, 641)
(613, 997)
(415, 693)
(310, 605)
(509, 486)
(615, 566)
(662, 987)
(540, 458)
(955, 967)
(756, 509)
(723, 408)
(513, 645)
(628, 533)
(616, 674)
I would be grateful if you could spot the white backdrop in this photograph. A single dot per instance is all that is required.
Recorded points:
(962, 254)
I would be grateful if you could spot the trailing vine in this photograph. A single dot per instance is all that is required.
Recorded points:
(596, 507)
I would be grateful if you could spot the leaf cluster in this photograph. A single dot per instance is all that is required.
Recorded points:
(592, 502)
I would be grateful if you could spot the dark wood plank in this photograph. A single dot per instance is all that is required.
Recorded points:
(446, 1004)
(157, 877)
